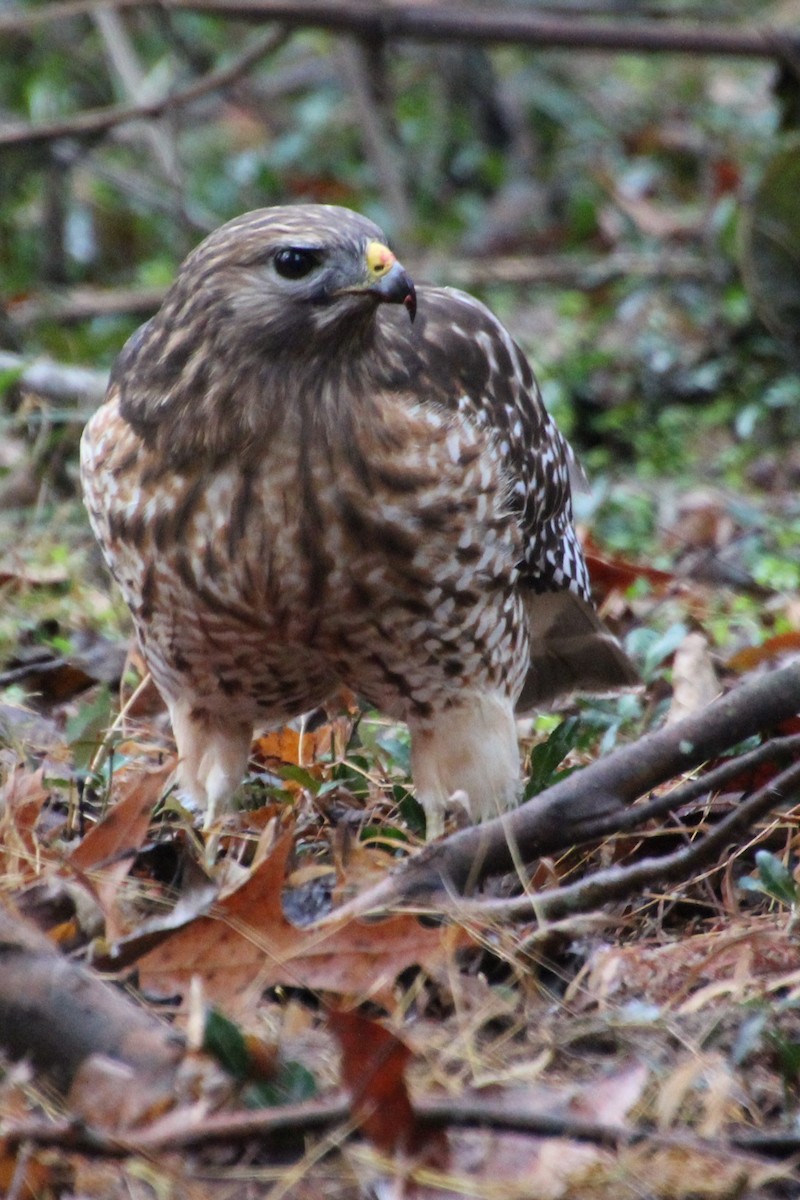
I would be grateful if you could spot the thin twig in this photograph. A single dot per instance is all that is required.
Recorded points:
(124, 61)
(105, 748)
(778, 750)
(97, 121)
(376, 133)
(471, 1112)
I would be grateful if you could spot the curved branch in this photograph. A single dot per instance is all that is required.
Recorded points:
(614, 883)
(590, 802)
(58, 1013)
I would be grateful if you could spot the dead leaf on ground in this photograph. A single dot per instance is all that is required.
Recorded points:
(774, 647)
(22, 797)
(54, 678)
(109, 1094)
(373, 1070)
(33, 731)
(245, 944)
(109, 849)
(694, 680)
(291, 747)
(618, 574)
(740, 962)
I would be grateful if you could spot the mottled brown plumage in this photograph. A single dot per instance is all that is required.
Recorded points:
(297, 487)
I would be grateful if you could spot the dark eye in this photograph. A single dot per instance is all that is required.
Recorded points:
(294, 262)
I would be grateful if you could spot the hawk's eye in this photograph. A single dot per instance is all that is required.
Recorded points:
(294, 262)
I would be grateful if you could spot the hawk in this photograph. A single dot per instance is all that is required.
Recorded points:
(298, 486)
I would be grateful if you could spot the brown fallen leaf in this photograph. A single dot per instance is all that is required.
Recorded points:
(373, 1069)
(744, 960)
(774, 647)
(694, 680)
(245, 944)
(109, 849)
(21, 799)
(618, 574)
(290, 746)
(109, 1094)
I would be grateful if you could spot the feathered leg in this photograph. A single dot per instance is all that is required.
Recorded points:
(212, 758)
(470, 747)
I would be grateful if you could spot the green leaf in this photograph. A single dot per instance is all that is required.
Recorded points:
(776, 878)
(9, 377)
(86, 729)
(787, 1054)
(547, 756)
(293, 1084)
(399, 752)
(410, 809)
(302, 776)
(226, 1042)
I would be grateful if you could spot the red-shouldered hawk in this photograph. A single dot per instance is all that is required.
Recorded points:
(296, 487)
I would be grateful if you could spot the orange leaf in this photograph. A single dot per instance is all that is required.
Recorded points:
(289, 746)
(754, 656)
(21, 800)
(109, 848)
(617, 574)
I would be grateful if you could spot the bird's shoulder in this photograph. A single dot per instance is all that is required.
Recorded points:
(462, 358)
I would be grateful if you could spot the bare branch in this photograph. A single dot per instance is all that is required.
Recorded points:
(601, 887)
(54, 381)
(68, 305)
(97, 121)
(449, 23)
(124, 61)
(373, 124)
(470, 1111)
(59, 1013)
(570, 812)
(573, 271)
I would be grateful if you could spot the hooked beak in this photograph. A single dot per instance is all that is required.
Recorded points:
(396, 287)
(387, 280)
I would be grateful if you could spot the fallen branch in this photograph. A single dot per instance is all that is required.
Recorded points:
(476, 1111)
(83, 304)
(58, 1013)
(591, 802)
(562, 270)
(55, 381)
(614, 883)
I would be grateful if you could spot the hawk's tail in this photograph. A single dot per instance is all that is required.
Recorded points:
(571, 651)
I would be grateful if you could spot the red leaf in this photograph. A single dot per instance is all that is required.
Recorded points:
(373, 1071)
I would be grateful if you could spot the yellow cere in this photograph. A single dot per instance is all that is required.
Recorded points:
(379, 259)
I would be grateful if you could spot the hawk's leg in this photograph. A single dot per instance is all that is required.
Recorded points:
(212, 757)
(470, 747)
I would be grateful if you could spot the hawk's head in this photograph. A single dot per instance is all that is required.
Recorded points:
(293, 276)
(266, 309)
